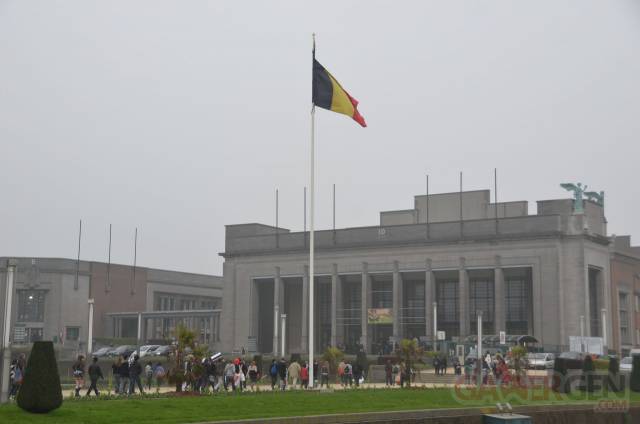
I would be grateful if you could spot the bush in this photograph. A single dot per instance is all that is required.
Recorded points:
(560, 383)
(40, 391)
(635, 374)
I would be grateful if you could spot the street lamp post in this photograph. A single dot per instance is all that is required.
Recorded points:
(284, 333)
(6, 344)
(435, 326)
(479, 348)
(605, 346)
(581, 333)
(90, 330)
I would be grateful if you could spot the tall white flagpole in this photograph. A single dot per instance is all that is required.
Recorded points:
(312, 187)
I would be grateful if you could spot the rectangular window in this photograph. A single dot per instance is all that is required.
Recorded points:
(448, 298)
(481, 298)
(623, 306)
(638, 337)
(637, 302)
(518, 300)
(73, 333)
(31, 305)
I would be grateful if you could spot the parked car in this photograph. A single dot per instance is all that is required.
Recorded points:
(124, 350)
(148, 350)
(103, 351)
(163, 350)
(540, 361)
(574, 360)
(626, 364)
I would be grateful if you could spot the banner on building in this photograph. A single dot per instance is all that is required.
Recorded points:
(379, 316)
(592, 345)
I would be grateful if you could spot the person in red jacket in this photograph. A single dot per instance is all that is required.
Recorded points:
(304, 375)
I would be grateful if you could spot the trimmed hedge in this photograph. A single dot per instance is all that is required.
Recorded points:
(635, 374)
(40, 391)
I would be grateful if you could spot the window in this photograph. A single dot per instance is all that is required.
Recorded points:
(638, 336)
(73, 333)
(518, 300)
(637, 302)
(624, 318)
(31, 305)
(447, 292)
(481, 298)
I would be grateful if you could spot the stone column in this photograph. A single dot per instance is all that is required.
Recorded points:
(429, 298)
(304, 338)
(397, 301)
(277, 286)
(364, 305)
(335, 287)
(499, 300)
(463, 299)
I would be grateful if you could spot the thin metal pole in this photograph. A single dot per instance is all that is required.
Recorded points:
(435, 326)
(334, 207)
(461, 204)
(6, 341)
(109, 262)
(304, 232)
(277, 228)
(311, 235)
(495, 194)
(479, 348)
(427, 217)
(135, 259)
(75, 284)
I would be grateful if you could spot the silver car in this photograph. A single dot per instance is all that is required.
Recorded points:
(541, 361)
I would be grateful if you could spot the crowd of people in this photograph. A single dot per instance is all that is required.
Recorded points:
(489, 367)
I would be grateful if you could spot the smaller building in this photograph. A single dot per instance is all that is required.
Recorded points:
(625, 281)
(51, 302)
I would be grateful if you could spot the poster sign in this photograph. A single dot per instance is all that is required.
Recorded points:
(380, 316)
(441, 335)
(503, 337)
(592, 345)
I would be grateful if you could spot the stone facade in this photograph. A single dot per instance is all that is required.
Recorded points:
(534, 273)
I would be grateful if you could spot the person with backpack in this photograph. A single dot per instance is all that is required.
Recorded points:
(16, 374)
(388, 374)
(395, 371)
(341, 366)
(348, 374)
(135, 370)
(273, 373)
(282, 374)
(115, 372)
(95, 373)
(78, 374)
(229, 375)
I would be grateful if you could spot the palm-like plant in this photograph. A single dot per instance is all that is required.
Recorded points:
(409, 352)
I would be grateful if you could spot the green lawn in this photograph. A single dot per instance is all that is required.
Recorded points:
(266, 404)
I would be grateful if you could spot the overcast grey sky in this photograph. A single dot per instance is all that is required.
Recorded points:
(182, 116)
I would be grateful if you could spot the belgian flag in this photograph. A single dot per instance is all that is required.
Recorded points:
(329, 94)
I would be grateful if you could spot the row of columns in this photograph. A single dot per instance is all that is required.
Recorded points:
(430, 298)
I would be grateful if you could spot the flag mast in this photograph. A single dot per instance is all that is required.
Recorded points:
(311, 229)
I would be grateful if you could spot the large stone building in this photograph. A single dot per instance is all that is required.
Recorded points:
(625, 281)
(545, 274)
(51, 301)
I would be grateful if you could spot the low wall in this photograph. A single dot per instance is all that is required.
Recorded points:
(573, 414)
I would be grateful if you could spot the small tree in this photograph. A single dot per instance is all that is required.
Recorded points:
(587, 374)
(177, 374)
(333, 356)
(519, 355)
(409, 352)
(634, 384)
(40, 391)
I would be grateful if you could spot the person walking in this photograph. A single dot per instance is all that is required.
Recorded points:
(115, 372)
(95, 373)
(357, 373)
(245, 369)
(443, 365)
(436, 364)
(135, 370)
(16, 374)
(159, 373)
(252, 373)
(324, 374)
(316, 366)
(148, 375)
(273, 373)
(348, 374)
(468, 370)
(229, 377)
(78, 374)
(294, 373)
(341, 366)
(282, 374)
(388, 374)
(304, 375)
(124, 375)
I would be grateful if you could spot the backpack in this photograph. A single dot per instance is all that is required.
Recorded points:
(274, 370)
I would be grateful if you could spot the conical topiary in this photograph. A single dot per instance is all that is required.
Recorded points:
(635, 374)
(40, 391)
